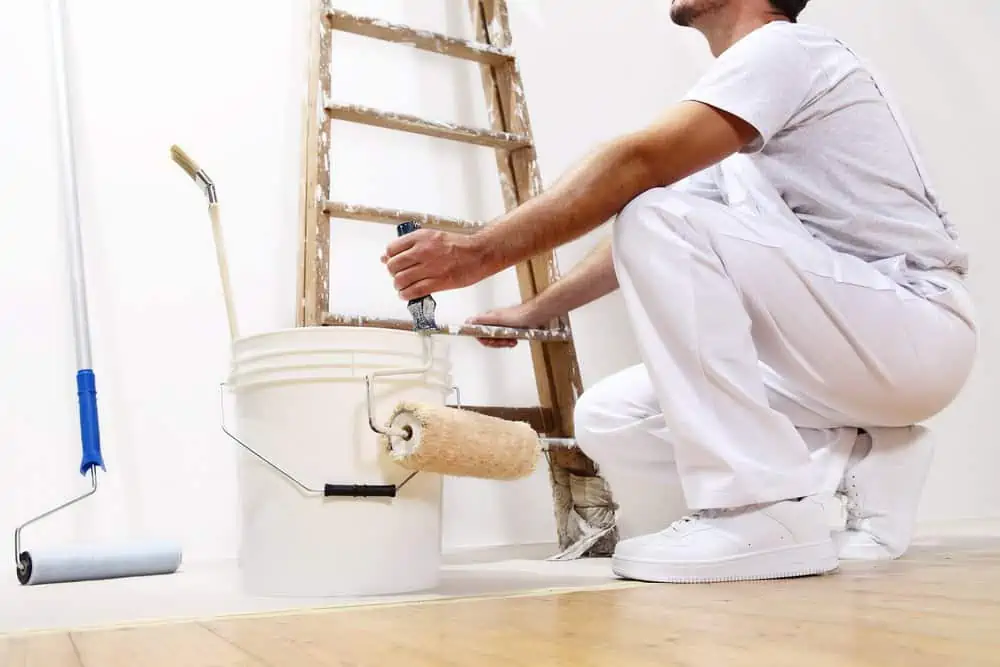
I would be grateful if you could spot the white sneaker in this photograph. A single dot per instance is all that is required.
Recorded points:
(881, 489)
(785, 539)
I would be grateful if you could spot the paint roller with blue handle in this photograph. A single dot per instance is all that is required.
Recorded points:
(86, 562)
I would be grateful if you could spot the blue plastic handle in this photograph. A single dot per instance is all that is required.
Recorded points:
(90, 432)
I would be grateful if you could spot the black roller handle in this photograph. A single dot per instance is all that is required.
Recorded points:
(359, 490)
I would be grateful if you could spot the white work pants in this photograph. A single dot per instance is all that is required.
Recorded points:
(764, 351)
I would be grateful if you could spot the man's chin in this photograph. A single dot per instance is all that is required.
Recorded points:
(681, 15)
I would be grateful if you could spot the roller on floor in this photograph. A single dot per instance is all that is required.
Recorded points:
(91, 561)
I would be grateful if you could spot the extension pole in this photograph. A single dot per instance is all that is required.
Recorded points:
(86, 384)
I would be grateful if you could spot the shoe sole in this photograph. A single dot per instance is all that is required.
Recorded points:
(803, 560)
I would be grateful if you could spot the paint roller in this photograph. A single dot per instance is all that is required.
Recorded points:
(90, 561)
(460, 443)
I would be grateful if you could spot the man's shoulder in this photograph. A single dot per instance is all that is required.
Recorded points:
(782, 46)
(820, 44)
(803, 38)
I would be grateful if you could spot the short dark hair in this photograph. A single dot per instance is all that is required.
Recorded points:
(790, 8)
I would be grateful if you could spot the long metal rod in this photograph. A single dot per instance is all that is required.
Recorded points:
(17, 531)
(558, 443)
(59, 31)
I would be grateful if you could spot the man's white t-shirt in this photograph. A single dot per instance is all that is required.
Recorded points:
(832, 146)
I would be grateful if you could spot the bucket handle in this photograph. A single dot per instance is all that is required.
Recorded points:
(328, 490)
(352, 490)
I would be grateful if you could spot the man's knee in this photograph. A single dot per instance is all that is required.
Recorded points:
(590, 421)
(607, 413)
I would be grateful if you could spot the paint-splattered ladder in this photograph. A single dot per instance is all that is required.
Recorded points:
(574, 476)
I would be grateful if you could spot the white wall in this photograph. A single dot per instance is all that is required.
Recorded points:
(224, 80)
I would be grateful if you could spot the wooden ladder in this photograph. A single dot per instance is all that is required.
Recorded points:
(583, 506)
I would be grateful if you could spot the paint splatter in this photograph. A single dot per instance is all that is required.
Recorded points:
(364, 213)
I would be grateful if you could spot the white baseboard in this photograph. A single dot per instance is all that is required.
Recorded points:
(501, 552)
(982, 527)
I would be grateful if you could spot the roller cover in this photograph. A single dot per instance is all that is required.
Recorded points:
(461, 443)
(112, 561)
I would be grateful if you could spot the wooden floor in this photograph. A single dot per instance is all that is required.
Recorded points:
(939, 607)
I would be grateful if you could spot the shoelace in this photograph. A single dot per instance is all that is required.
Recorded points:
(852, 507)
(698, 515)
(716, 513)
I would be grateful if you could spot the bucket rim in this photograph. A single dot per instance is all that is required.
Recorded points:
(305, 330)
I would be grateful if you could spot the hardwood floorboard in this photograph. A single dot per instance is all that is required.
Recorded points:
(182, 645)
(51, 650)
(940, 607)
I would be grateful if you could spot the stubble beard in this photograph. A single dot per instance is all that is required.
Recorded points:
(687, 12)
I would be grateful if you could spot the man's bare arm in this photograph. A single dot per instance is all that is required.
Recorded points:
(592, 278)
(689, 138)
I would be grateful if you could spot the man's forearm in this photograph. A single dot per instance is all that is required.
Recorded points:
(583, 199)
(588, 281)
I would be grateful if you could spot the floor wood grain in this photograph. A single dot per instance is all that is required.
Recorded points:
(939, 607)
(56, 650)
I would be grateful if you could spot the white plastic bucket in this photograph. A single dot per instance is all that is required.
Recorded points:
(300, 401)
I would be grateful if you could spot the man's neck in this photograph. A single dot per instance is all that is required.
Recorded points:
(723, 35)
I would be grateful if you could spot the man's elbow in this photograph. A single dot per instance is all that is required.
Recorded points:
(641, 165)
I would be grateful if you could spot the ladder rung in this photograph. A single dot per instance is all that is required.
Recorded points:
(420, 39)
(390, 216)
(472, 330)
(397, 121)
(542, 420)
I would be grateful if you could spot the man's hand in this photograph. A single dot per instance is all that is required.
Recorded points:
(522, 316)
(427, 261)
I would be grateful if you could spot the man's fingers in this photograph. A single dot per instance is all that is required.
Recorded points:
(419, 289)
(405, 279)
(497, 342)
(401, 262)
(492, 318)
(480, 319)
(402, 244)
